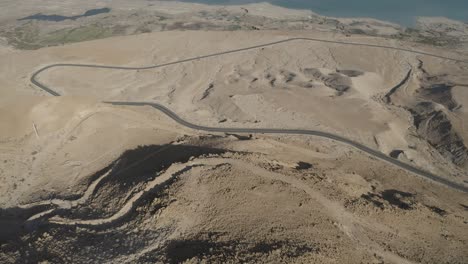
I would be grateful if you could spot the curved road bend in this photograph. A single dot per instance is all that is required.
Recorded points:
(331, 136)
(181, 121)
(52, 92)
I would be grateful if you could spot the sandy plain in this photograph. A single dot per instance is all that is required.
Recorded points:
(127, 184)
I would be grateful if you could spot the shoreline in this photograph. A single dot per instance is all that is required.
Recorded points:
(139, 16)
(403, 20)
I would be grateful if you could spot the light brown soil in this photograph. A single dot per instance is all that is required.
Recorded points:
(85, 182)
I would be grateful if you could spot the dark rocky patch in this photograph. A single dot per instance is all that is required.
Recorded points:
(398, 198)
(312, 72)
(336, 81)
(288, 76)
(240, 137)
(436, 88)
(135, 168)
(374, 199)
(179, 251)
(437, 210)
(272, 82)
(396, 153)
(350, 73)
(303, 165)
(268, 247)
(440, 93)
(402, 200)
(308, 85)
(388, 96)
(58, 18)
(62, 244)
(435, 127)
(208, 91)
(208, 249)
(12, 222)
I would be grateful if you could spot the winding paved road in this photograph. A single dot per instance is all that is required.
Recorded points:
(331, 136)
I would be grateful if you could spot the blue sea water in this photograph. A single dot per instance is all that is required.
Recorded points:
(403, 12)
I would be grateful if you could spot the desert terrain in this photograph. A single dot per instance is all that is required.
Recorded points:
(288, 137)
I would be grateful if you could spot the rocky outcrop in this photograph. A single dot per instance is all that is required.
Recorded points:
(436, 88)
(339, 81)
(435, 127)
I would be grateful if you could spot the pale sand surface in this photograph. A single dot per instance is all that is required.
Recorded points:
(103, 183)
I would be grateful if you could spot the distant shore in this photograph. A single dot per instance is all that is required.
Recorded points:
(384, 10)
(63, 22)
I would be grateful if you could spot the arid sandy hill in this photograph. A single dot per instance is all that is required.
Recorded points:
(83, 181)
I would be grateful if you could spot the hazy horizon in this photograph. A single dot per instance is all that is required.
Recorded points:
(398, 11)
